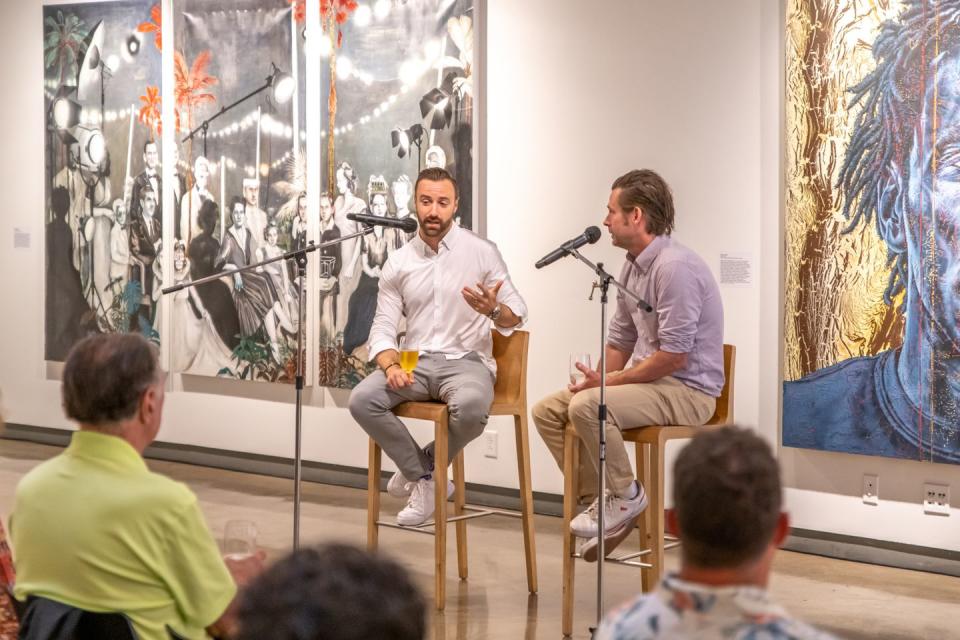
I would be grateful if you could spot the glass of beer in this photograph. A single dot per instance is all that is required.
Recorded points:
(577, 376)
(409, 354)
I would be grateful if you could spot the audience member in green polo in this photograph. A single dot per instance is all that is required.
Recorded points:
(95, 529)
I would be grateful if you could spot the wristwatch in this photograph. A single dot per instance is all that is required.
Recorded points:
(496, 313)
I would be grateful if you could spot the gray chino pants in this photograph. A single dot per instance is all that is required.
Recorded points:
(466, 385)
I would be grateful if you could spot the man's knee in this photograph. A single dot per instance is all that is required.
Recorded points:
(366, 399)
(544, 416)
(583, 409)
(470, 411)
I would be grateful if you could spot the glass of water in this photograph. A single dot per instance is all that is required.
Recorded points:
(577, 376)
(239, 539)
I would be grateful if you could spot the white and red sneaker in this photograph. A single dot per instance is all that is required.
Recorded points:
(616, 511)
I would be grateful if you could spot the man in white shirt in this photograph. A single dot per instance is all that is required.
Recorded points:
(256, 217)
(193, 199)
(450, 285)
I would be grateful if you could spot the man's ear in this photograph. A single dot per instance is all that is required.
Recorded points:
(149, 404)
(783, 529)
(891, 210)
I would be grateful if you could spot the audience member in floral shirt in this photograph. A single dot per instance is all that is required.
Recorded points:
(727, 512)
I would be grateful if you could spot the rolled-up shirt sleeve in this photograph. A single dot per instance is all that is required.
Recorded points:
(679, 303)
(622, 331)
(508, 293)
(383, 332)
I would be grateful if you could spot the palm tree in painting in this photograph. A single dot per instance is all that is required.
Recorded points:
(333, 14)
(149, 113)
(193, 85)
(153, 25)
(62, 43)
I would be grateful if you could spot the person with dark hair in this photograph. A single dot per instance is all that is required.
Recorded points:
(331, 261)
(344, 204)
(333, 592)
(216, 296)
(150, 176)
(195, 346)
(430, 281)
(663, 367)
(94, 528)
(375, 248)
(727, 514)
(145, 239)
(65, 304)
(900, 172)
(253, 293)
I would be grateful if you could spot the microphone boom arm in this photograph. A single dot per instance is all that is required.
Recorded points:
(606, 277)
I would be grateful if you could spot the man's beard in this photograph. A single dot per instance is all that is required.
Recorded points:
(433, 232)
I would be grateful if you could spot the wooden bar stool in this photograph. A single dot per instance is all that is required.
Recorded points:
(509, 398)
(651, 444)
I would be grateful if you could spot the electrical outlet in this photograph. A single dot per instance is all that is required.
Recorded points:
(936, 499)
(871, 489)
(490, 443)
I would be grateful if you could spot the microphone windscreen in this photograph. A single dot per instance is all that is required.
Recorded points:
(592, 234)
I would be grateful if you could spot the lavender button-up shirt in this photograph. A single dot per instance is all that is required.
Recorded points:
(687, 314)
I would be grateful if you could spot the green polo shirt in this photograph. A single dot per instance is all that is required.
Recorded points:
(95, 529)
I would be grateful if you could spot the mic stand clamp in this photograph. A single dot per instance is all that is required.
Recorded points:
(299, 256)
(605, 280)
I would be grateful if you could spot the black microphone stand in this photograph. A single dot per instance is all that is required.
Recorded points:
(300, 256)
(604, 284)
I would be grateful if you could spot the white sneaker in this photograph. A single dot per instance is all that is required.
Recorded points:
(399, 486)
(616, 512)
(421, 503)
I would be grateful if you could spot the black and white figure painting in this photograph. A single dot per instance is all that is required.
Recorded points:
(398, 96)
(102, 105)
(243, 197)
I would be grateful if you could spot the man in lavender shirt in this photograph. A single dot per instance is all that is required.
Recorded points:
(663, 367)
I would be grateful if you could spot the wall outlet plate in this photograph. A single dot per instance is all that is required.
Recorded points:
(936, 499)
(489, 443)
(871, 489)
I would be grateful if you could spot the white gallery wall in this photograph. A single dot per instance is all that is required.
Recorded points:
(576, 94)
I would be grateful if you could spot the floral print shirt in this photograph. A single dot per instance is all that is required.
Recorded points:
(678, 609)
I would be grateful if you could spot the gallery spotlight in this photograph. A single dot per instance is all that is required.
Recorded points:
(131, 47)
(436, 108)
(93, 147)
(401, 139)
(283, 85)
(66, 113)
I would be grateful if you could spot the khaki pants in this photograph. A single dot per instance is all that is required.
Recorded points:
(629, 406)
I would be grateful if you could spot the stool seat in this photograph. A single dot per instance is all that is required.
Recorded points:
(509, 398)
(651, 447)
(432, 411)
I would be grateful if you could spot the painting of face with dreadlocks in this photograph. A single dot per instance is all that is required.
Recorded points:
(872, 325)
(101, 87)
(240, 105)
(398, 96)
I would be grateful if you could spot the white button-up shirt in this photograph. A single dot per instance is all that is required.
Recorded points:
(425, 287)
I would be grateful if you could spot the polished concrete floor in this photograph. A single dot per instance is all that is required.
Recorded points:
(849, 599)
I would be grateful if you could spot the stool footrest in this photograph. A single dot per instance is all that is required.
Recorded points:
(478, 512)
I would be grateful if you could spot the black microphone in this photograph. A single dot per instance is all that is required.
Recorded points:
(408, 224)
(589, 236)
